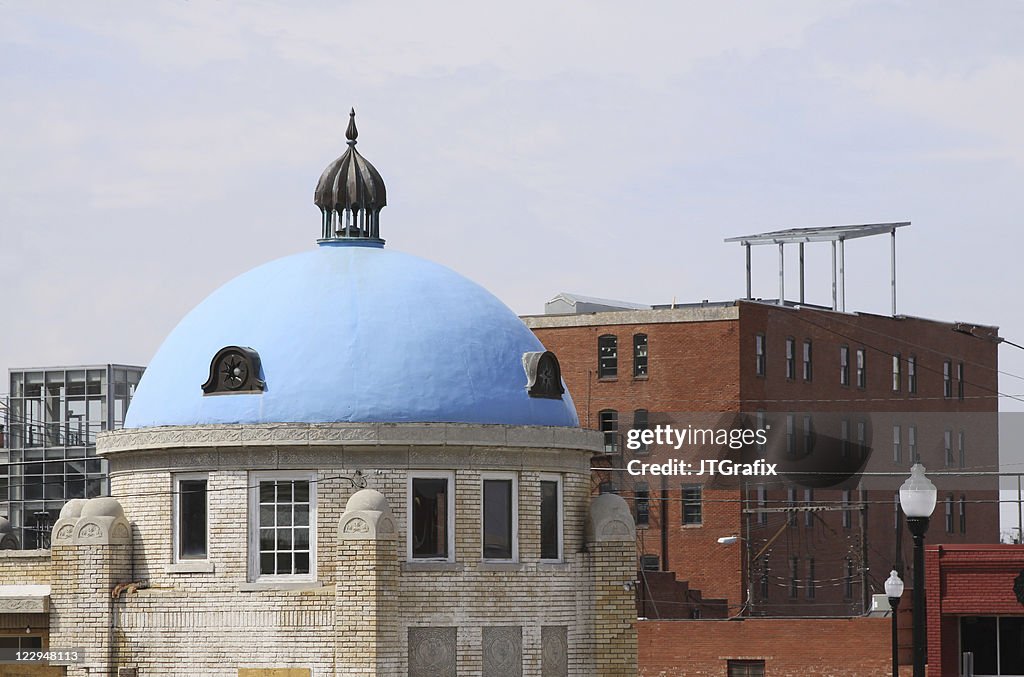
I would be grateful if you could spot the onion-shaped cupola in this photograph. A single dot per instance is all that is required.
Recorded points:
(350, 195)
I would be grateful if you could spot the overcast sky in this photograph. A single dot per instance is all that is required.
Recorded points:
(149, 152)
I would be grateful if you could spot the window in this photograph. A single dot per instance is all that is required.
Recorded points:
(791, 500)
(862, 369)
(284, 510)
(761, 419)
(844, 438)
(897, 377)
(960, 380)
(794, 577)
(650, 563)
(912, 374)
(847, 515)
(912, 444)
(848, 580)
(897, 440)
(862, 438)
(640, 422)
(692, 504)
(947, 379)
(897, 511)
(790, 358)
(963, 514)
(500, 520)
(551, 517)
(995, 643)
(949, 514)
(190, 517)
(762, 502)
(642, 500)
(791, 434)
(745, 668)
(963, 449)
(610, 427)
(808, 366)
(607, 356)
(808, 503)
(947, 444)
(808, 435)
(844, 365)
(432, 521)
(640, 355)
(759, 354)
(810, 578)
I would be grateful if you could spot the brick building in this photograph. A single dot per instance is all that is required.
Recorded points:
(849, 400)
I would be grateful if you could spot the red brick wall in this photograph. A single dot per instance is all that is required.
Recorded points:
(968, 580)
(855, 647)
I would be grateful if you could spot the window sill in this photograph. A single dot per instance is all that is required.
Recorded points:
(640, 378)
(691, 526)
(607, 379)
(432, 566)
(256, 586)
(500, 566)
(552, 565)
(186, 567)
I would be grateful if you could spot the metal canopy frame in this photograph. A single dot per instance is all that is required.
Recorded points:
(837, 235)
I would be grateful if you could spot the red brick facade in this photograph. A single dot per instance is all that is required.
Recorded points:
(702, 367)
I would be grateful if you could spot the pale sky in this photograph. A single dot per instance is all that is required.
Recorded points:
(149, 152)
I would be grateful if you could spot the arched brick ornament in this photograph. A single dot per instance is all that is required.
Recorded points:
(1018, 586)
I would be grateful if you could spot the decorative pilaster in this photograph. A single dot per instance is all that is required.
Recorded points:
(91, 551)
(611, 541)
(366, 630)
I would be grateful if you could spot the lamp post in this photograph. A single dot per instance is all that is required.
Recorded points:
(917, 499)
(894, 590)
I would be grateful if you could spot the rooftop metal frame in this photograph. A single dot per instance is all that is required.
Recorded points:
(837, 235)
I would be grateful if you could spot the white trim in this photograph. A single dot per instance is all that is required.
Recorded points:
(176, 480)
(514, 477)
(450, 535)
(254, 479)
(550, 477)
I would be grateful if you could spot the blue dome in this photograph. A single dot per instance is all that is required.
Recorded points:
(351, 333)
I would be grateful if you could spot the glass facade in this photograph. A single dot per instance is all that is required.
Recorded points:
(51, 421)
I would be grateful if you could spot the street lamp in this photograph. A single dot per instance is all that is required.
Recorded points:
(917, 499)
(894, 590)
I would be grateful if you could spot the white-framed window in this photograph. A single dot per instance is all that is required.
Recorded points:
(499, 523)
(282, 526)
(551, 518)
(190, 517)
(431, 523)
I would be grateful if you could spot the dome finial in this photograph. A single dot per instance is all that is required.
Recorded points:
(351, 133)
(350, 195)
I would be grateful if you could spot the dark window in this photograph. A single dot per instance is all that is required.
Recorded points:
(550, 511)
(963, 514)
(192, 519)
(761, 420)
(284, 522)
(650, 562)
(794, 577)
(745, 668)
(897, 377)
(960, 380)
(947, 445)
(963, 449)
(808, 366)
(847, 515)
(912, 444)
(430, 518)
(759, 354)
(640, 422)
(947, 379)
(791, 501)
(610, 427)
(912, 374)
(808, 435)
(862, 369)
(897, 511)
(848, 580)
(607, 356)
(949, 514)
(607, 487)
(790, 358)
(498, 517)
(762, 502)
(808, 503)
(692, 504)
(844, 438)
(790, 434)
(640, 355)
(862, 438)
(643, 505)
(897, 444)
(810, 578)
(844, 365)
(997, 644)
